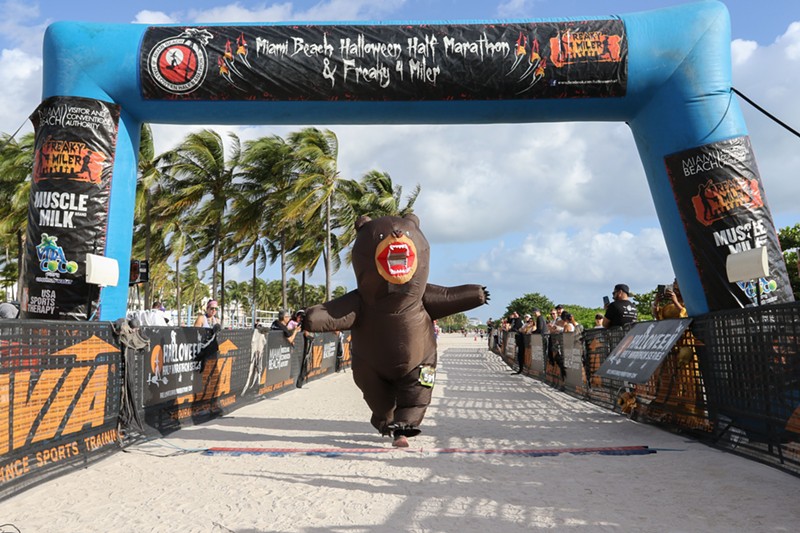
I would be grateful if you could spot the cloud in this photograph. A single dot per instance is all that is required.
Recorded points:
(770, 75)
(332, 10)
(21, 78)
(514, 8)
(154, 17)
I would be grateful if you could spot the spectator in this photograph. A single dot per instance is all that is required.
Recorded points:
(598, 321)
(158, 315)
(515, 327)
(297, 319)
(669, 303)
(208, 319)
(621, 311)
(568, 322)
(282, 324)
(541, 324)
(528, 325)
(552, 323)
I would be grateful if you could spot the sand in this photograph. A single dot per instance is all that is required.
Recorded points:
(172, 485)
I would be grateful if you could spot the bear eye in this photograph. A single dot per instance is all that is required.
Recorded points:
(380, 236)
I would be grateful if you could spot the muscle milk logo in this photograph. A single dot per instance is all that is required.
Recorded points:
(742, 237)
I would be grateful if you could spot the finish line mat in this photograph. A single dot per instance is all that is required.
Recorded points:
(335, 452)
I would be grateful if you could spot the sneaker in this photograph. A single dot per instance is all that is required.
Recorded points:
(400, 441)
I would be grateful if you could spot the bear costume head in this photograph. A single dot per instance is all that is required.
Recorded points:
(390, 256)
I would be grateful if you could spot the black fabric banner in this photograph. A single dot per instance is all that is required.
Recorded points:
(59, 399)
(576, 59)
(68, 209)
(721, 201)
(641, 351)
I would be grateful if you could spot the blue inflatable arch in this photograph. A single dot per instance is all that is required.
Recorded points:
(666, 73)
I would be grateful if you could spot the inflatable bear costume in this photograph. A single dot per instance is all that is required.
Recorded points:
(390, 316)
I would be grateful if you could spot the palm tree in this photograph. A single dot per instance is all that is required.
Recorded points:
(375, 195)
(203, 183)
(315, 189)
(267, 172)
(16, 167)
(149, 187)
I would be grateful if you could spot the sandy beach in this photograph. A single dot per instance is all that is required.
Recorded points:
(445, 482)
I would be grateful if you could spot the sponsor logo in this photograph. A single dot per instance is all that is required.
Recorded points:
(51, 403)
(179, 64)
(51, 257)
(716, 200)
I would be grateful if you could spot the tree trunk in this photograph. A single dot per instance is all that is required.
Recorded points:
(284, 297)
(253, 299)
(327, 249)
(20, 255)
(178, 288)
(222, 292)
(147, 295)
(303, 291)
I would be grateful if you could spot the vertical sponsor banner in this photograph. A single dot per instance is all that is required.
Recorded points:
(278, 371)
(721, 201)
(75, 139)
(577, 59)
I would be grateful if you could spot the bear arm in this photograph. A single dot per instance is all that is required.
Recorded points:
(337, 314)
(445, 301)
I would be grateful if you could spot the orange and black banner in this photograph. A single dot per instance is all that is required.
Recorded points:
(190, 375)
(59, 399)
(75, 141)
(570, 59)
(720, 198)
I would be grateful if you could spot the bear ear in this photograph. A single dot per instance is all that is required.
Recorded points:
(360, 221)
(413, 218)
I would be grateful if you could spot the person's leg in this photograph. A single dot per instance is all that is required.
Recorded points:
(379, 395)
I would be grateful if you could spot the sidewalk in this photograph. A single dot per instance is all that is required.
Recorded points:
(170, 485)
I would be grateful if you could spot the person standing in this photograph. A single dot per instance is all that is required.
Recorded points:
(541, 323)
(622, 310)
(282, 324)
(515, 327)
(208, 319)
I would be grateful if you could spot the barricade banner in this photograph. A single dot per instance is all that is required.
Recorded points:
(572, 351)
(538, 343)
(59, 399)
(192, 374)
(277, 373)
(641, 351)
(68, 210)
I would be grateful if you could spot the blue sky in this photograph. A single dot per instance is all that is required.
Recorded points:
(518, 208)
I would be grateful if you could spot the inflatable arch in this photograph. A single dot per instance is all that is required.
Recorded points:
(665, 72)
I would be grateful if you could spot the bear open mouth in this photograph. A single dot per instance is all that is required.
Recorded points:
(397, 260)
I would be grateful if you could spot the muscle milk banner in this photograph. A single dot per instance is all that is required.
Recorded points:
(721, 201)
(578, 59)
(68, 209)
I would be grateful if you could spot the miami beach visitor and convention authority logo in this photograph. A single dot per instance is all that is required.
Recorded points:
(179, 64)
